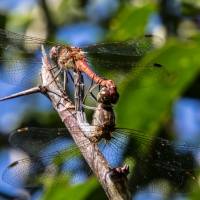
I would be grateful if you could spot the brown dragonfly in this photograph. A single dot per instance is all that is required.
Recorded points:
(110, 60)
(156, 165)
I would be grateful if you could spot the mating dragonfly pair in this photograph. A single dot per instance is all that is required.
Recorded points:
(156, 165)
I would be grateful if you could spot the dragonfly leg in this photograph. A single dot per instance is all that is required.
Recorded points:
(91, 95)
(65, 80)
(79, 93)
(55, 77)
(70, 75)
(53, 67)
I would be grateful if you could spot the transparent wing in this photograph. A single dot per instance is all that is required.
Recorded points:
(26, 72)
(61, 168)
(21, 72)
(133, 47)
(179, 155)
(56, 161)
(154, 177)
(21, 43)
(34, 141)
(156, 165)
(129, 75)
(126, 74)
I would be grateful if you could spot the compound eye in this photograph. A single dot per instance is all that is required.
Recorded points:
(114, 98)
(104, 96)
(54, 53)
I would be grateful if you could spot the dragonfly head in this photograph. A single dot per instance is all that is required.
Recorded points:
(107, 97)
(54, 53)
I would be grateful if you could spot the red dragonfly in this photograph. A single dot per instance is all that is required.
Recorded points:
(113, 61)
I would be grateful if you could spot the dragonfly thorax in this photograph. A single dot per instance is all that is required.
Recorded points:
(104, 119)
(66, 56)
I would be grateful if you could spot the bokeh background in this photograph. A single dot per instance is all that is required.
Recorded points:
(170, 109)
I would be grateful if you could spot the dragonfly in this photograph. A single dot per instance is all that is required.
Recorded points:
(94, 60)
(156, 165)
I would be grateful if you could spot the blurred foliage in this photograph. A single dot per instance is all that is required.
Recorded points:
(147, 109)
(127, 19)
(86, 190)
(182, 62)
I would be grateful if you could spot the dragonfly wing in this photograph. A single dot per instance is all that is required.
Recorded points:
(22, 72)
(154, 177)
(181, 156)
(43, 141)
(129, 75)
(133, 47)
(60, 168)
(21, 43)
(34, 140)
(156, 165)
(56, 161)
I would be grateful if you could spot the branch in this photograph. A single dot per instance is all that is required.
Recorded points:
(26, 92)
